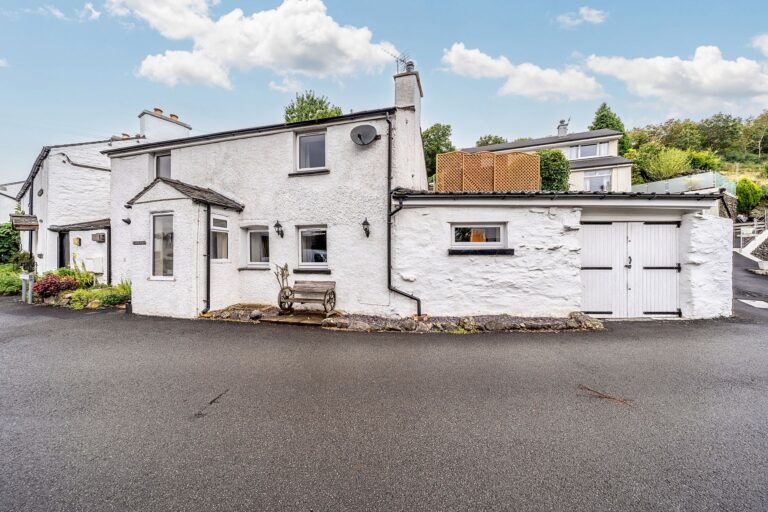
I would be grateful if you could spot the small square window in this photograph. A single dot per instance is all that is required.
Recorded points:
(163, 166)
(468, 235)
(219, 239)
(258, 247)
(312, 151)
(313, 250)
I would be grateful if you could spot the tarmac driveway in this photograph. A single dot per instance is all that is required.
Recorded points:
(106, 411)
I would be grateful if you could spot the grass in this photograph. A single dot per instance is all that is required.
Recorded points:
(736, 171)
(10, 284)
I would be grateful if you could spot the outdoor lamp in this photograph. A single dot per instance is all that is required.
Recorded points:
(367, 227)
(279, 229)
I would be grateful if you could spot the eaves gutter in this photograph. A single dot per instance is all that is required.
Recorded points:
(33, 172)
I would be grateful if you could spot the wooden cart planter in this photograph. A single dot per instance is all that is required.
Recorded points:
(302, 292)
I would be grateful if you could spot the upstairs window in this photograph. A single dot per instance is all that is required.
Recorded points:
(163, 166)
(311, 151)
(587, 150)
(313, 249)
(219, 238)
(468, 235)
(597, 181)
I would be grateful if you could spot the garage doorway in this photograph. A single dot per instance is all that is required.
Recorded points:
(630, 269)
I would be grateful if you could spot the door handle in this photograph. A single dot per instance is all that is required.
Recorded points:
(629, 264)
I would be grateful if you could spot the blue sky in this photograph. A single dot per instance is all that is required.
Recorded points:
(75, 70)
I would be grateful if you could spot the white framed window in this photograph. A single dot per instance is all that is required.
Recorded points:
(311, 151)
(313, 247)
(163, 166)
(587, 150)
(597, 181)
(219, 238)
(477, 235)
(162, 245)
(258, 247)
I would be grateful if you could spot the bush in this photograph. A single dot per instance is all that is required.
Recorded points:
(80, 298)
(9, 243)
(705, 160)
(765, 170)
(668, 163)
(24, 261)
(51, 285)
(119, 294)
(555, 170)
(765, 192)
(10, 284)
(749, 195)
(83, 277)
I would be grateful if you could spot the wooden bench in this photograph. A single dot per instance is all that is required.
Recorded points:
(320, 292)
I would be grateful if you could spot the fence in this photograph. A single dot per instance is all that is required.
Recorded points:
(701, 181)
(484, 171)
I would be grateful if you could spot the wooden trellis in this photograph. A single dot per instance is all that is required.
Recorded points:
(460, 171)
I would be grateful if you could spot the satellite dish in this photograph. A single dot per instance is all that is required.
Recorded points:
(363, 135)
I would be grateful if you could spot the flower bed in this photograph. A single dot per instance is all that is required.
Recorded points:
(78, 289)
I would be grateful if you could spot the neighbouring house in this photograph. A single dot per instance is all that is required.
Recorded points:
(65, 200)
(346, 200)
(593, 157)
(8, 200)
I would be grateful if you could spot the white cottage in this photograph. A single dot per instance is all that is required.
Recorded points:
(198, 223)
(66, 198)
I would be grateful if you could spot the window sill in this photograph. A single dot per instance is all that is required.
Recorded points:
(311, 271)
(253, 267)
(160, 278)
(481, 252)
(221, 261)
(308, 172)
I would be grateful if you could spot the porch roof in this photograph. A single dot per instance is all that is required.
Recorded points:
(24, 222)
(195, 193)
(83, 226)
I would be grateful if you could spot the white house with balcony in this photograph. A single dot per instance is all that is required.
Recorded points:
(593, 157)
(200, 223)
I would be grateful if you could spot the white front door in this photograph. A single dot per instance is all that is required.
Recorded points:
(630, 269)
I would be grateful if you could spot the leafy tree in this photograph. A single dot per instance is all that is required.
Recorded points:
(9, 243)
(308, 107)
(555, 170)
(705, 160)
(642, 158)
(668, 163)
(681, 134)
(638, 137)
(436, 140)
(606, 118)
(720, 132)
(488, 140)
(756, 131)
(748, 194)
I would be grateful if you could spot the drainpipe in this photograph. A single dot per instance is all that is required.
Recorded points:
(109, 255)
(31, 191)
(207, 259)
(390, 214)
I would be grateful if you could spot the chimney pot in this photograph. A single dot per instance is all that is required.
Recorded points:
(174, 117)
(126, 136)
(409, 66)
(158, 111)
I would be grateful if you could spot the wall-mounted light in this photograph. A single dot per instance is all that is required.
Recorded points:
(367, 227)
(279, 229)
(127, 221)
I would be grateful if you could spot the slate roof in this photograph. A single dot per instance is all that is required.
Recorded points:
(599, 162)
(552, 139)
(198, 194)
(401, 193)
(83, 226)
(23, 220)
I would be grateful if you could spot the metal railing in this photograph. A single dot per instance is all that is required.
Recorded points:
(750, 230)
(693, 182)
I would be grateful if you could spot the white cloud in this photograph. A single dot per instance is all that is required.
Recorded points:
(525, 79)
(296, 38)
(3, 63)
(88, 13)
(703, 82)
(585, 15)
(50, 10)
(287, 85)
(761, 43)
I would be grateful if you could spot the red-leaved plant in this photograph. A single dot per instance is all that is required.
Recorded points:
(52, 285)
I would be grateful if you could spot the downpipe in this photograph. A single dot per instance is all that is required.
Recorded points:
(207, 260)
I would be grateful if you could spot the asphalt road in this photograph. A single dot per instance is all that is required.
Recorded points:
(105, 411)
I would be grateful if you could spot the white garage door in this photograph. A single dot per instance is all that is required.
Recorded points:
(630, 269)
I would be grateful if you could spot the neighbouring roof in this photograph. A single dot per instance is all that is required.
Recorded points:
(165, 118)
(401, 193)
(598, 162)
(24, 222)
(550, 140)
(81, 154)
(254, 130)
(198, 194)
(83, 226)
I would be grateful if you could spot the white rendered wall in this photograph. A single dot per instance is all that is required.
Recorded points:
(90, 253)
(129, 175)
(541, 279)
(706, 258)
(621, 179)
(155, 128)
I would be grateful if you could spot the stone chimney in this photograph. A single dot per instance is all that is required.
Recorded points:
(156, 126)
(562, 128)
(409, 169)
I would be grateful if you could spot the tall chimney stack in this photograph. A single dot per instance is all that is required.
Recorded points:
(562, 128)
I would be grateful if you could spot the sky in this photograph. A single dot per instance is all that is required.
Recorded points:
(73, 71)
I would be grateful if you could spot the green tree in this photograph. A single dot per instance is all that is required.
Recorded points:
(720, 132)
(705, 160)
(748, 194)
(555, 170)
(606, 118)
(681, 134)
(756, 130)
(668, 163)
(488, 140)
(9, 243)
(308, 107)
(436, 139)
(641, 158)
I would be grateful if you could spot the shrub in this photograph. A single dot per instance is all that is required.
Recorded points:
(705, 160)
(83, 277)
(749, 195)
(119, 294)
(555, 170)
(24, 261)
(51, 285)
(9, 243)
(668, 163)
(10, 284)
(81, 297)
(765, 192)
(765, 170)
